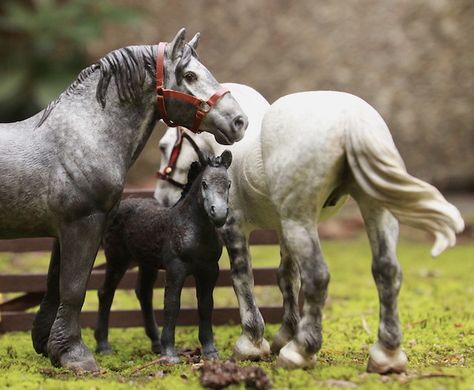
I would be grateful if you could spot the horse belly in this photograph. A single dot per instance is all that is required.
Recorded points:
(23, 199)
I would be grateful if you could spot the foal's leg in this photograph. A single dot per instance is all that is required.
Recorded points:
(79, 244)
(251, 345)
(206, 278)
(115, 269)
(175, 277)
(382, 228)
(144, 291)
(289, 283)
(49, 305)
(301, 238)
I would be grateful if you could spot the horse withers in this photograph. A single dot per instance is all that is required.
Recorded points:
(182, 240)
(62, 171)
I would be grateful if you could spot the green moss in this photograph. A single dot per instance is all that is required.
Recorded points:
(435, 307)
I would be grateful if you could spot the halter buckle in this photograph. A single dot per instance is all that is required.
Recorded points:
(204, 107)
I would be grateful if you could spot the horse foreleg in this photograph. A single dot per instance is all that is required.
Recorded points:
(144, 291)
(302, 240)
(289, 283)
(251, 345)
(206, 278)
(175, 276)
(49, 305)
(79, 242)
(382, 228)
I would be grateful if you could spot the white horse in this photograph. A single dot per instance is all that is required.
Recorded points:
(314, 149)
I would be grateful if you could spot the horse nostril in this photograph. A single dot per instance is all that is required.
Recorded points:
(239, 123)
(213, 211)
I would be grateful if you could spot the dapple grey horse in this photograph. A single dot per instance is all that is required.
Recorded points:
(63, 170)
(312, 150)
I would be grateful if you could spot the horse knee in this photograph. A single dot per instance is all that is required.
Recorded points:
(315, 278)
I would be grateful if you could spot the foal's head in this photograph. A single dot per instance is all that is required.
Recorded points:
(208, 183)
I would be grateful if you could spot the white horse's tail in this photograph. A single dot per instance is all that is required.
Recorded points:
(380, 172)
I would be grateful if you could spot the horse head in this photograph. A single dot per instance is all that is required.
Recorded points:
(191, 95)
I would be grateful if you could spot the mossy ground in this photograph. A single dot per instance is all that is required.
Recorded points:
(436, 309)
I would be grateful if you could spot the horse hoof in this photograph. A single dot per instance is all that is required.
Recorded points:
(156, 347)
(384, 361)
(104, 349)
(77, 358)
(279, 341)
(291, 357)
(211, 356)
(169, 360)
(245, 349)
(80, 367)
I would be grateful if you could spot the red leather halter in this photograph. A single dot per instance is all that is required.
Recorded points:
(168, 171)
(175, 152)
(202, 106)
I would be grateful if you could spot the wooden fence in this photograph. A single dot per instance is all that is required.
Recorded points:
(14, 315)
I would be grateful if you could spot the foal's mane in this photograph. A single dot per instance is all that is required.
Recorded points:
(128, 65)
(196, 170)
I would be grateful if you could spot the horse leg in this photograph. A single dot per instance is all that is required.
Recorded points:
(115, 269)
(144, 291)
(49, 305)
(79, 242)
(289, 283)
(175, 276)
(382, 228)
(206, 279)
(301, 238)
(251, 345)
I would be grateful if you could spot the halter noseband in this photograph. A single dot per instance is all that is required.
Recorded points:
(168, 171)
(202, 106)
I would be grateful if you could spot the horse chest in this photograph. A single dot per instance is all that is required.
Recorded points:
(194, 245)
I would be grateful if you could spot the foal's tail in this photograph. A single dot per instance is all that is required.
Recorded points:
(379, 170)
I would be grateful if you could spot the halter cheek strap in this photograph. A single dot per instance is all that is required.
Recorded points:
(175, 152)
(202, 106)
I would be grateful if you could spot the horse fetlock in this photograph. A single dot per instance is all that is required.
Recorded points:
(247, 349)
(384, 361)
(294, 356)
(103, 348)
(281, 339)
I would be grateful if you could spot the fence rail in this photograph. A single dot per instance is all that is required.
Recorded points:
(14, 315)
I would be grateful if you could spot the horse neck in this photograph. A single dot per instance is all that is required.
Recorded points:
(119, 130)
(190, 209)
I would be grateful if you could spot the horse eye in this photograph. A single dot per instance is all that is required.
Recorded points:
(204, 185)
(190, 77)
(228, 186)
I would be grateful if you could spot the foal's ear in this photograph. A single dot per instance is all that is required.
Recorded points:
(226, 158)
(177, 44)
(195, 41)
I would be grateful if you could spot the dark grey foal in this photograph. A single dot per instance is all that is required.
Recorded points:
(182, 240)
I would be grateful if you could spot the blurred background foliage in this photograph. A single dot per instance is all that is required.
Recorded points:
(413, 60)
(45, 46)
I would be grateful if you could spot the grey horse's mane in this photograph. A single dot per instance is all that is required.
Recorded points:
(128, 65)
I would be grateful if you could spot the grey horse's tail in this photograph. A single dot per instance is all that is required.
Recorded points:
(380, 172)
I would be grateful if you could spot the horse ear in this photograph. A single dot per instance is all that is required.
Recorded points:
(177, 44)
(195, 41)
(226, 158)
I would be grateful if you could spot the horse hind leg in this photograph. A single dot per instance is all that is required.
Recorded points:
(144, 291)
(49, 305)
(301, 238)
(289, 284)
(115, 269)
(382, 228)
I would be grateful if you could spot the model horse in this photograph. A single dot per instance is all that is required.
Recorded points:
(315, 148)
(63, 170)
(182, 240)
